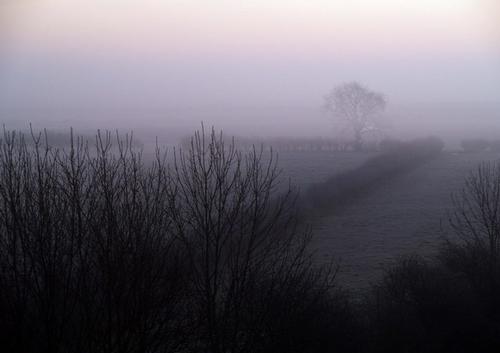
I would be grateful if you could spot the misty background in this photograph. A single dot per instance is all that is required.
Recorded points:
(251, 67)
(377, 236)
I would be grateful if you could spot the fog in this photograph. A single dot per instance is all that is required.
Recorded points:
(253, 68)
(249, 176)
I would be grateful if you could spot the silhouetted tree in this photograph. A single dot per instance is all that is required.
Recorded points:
(251, 276)
(88, 262)
(476, 221)
(101, 252)
(356, 106)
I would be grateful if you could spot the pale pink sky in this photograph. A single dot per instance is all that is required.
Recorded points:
(154, 52)
(317, 25)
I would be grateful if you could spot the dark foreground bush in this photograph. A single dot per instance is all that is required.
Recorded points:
(426, 307)
(452, 303)
(100, 252)
(400, 157)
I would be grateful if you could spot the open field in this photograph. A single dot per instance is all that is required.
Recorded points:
(407, 214)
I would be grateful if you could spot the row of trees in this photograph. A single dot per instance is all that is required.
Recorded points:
(296, 144)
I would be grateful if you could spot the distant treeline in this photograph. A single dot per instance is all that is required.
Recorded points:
(397, 157)
(63, 139)
(480, 145)
(295, 144)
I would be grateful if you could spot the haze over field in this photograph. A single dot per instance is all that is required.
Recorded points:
(250, 66)
(249, 176)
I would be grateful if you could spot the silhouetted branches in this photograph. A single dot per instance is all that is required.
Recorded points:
(357, 106)
(100, 252)
(88, 259)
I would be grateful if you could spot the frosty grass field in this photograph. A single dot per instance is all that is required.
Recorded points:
(404, 215)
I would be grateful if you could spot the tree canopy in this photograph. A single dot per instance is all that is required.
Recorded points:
(357, 106)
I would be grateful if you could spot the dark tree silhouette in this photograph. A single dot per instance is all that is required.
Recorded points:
(102, 252)
(476, 222)
(476, 218)
(88, 260)
(249, 263)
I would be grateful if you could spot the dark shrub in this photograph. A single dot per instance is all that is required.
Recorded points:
(426, 146)
(422, 307)
(310, 318)
(390, 145)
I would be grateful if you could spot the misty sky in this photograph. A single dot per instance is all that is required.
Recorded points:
(154, 54)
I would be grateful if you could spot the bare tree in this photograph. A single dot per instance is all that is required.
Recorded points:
(101, 252)
(476, 219)
(249, 262)
(476, 223)
(357, 106)
(88, 262)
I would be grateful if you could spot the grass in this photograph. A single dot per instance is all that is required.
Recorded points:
(401, 215)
